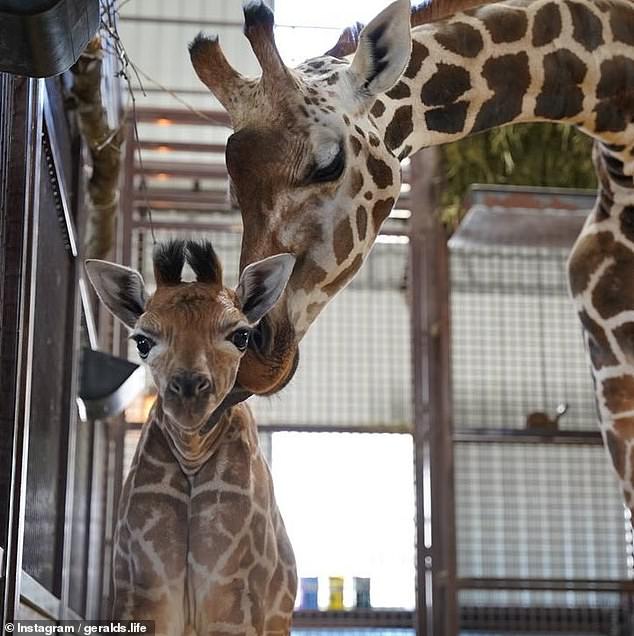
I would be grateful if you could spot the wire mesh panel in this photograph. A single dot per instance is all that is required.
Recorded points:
(516, 340)
(543, 542)
(599, 619)
(538, 512)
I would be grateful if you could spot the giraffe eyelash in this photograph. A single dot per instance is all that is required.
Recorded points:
(332, 171)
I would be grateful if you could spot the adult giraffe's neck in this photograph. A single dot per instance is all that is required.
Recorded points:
(524, 60)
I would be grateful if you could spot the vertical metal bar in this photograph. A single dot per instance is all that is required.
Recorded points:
(124, 237)
(95, 537)
(115, 432)
(27, 143)
(429, 280)
(123, 248)
(70, 416)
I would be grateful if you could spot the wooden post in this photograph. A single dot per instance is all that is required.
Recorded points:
(436, 595)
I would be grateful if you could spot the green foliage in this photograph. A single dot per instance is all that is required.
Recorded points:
(524, 154)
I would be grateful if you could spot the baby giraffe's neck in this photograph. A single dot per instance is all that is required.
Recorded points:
(193, 448)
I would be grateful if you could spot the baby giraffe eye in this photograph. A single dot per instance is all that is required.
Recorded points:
(240, 338)
(143, 344)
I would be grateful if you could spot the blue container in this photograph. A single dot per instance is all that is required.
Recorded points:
(309, 590)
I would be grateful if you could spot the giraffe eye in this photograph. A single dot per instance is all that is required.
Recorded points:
(143, 344)
(332, 171)
(240, 338)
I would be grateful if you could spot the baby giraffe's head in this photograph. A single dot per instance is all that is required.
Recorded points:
(192, 335)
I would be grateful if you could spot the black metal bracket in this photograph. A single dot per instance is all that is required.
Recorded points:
(42, 38)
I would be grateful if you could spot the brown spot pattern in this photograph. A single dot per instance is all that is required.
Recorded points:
(561, 94)
(624, 335)
(378, 108)
(589, 252)
(400, 128)
(460, 38)
(334, 286)
(400, 91)
(615, 92)
(362, 222)
(380, 212)
(546, 24)
(508, 77)
(356, 183)
(617, 451)
(380, 172)
(601, 354)
(447, 119)
(355, 144)
(504, 25)
(622, 24)
(627, 222)
(313, 275)
(624, 426)
(343, 240)
(312, 310)
(419, 53)
(225, 606)
(614, 292)
(586, 25)
(447, 84)
(618, 393)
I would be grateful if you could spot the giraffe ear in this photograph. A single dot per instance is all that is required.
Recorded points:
(262, 283)
(385, 46)
(119, 288)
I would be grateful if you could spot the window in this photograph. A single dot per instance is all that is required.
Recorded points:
(348, 504)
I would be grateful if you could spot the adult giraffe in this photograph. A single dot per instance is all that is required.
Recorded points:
(315, 156)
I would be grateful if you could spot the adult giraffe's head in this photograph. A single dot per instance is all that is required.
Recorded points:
(312, 173)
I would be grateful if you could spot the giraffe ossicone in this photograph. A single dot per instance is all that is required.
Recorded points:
(569, 61)
(199, 544)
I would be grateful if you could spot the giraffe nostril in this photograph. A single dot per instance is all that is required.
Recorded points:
(189, 385)
(174, 387)
(203, 386)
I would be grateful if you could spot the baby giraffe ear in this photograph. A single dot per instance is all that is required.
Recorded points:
(385, 46)
(262, 284)
(119, 288)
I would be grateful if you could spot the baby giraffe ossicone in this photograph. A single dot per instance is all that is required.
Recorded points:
(200, 546)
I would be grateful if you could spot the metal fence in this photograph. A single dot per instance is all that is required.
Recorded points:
(543, 542)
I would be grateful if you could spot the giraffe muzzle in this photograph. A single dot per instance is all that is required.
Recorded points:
(189, 385)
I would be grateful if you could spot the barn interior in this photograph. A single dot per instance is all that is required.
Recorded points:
(436, 458)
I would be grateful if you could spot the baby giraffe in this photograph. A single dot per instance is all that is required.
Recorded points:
(200, 546)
